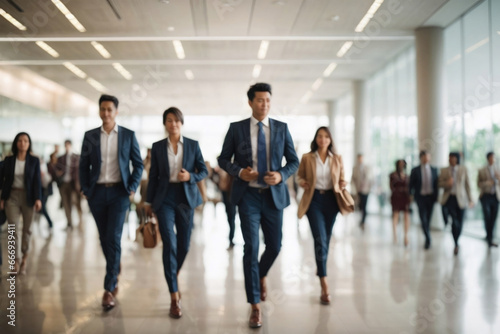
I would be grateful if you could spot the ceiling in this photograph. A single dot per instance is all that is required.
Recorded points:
(221, 39)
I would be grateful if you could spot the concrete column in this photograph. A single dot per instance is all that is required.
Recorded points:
(332, 112)
(361, 120)
(432, 133)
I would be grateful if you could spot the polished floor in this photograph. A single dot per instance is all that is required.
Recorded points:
(376, 286)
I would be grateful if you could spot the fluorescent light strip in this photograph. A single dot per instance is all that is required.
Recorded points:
(189, 74)
(256, 71)
(264, 45)
(78, 72)
(71, 18)
(97, 85)
(328, 71)
(101, 49)
(45, 47)
(317, 84)
(343, 50)
(306, 97)
(368, 16)
(179, 50)
(477, 45)
(126, 74)
(12, 20)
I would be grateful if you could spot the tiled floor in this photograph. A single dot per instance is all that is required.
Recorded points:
(376, 286)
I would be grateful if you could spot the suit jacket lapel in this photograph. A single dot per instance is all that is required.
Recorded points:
(120, 143)
(248, 139)
(164, 157)
(272, 138)
(184, 150)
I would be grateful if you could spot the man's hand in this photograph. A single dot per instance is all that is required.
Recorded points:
(184, 175)
(83, 195)
(450, 182)
(248, 174)
(272, 178)
(471, 204)
(38, 205)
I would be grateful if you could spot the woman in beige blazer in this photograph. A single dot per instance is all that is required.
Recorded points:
(321, 174)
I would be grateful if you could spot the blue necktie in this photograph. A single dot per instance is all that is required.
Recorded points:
(261, 154)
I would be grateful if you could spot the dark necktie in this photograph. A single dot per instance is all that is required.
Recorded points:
(261, 154)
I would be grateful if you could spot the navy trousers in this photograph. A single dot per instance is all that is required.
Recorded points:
(257, 208)
(174, 211)
(109, 206)
(321, 214)
(457, 217)
(425, 206)
(489, 203)
(230, 212)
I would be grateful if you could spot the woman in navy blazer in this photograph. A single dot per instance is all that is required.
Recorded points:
(21, 193)
(176, 166)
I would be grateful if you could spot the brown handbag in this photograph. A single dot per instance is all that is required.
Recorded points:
(150, 232)
(345, 202)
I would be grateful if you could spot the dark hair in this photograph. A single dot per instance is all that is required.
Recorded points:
(109, 98)
(258, 87)
(489, 154)
(314, 145)
(176, 112)
(14, 148)
(67, 141)
(397, 164)
(359, 155)
(456, 155)
(422, 153)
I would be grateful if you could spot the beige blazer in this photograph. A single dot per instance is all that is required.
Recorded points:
(307, 173)
(361, 180)
(463, 186)
(483, 180)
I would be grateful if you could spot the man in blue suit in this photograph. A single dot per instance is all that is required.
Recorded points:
(424, 189)
(253, 152)
(107, 182)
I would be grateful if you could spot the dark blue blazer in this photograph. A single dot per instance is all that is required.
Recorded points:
(90, 160)
(159, 174)
(416, 182)
(32, 178)
(237, 154)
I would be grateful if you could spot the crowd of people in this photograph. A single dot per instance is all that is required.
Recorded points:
(251, 177)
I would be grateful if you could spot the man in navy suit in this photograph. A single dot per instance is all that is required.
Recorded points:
(424, 189)
(107, 183)
(252, 153)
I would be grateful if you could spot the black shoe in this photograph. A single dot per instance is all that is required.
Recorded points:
(492, 244)
(231, 246)
(427, 245)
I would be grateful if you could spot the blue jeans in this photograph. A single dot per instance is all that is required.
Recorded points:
(174, 211)
(321, 214)
(256, 208)
(489, 203)
(109, 207)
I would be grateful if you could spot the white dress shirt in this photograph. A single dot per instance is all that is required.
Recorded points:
(254, 132)
(19, 174)
(110, 168)
(453, 170)
(67, 172)
(323, 173)
(426, 173)
(175, 160)
(491, 168)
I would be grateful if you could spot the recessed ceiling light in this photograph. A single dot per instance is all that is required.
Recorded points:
(97, 85)
(78, 72)
(343, 50)
(329, 69)
(334, 18)
(170, 28)
(179, 50)
(12, 20)
(101, 49)
(166, 2)
(126, 74)
(279, 3)
(71, 18)
(45, 47)
(264, 45)
(189, 74)
(368, 16)
(317, 84)
(256, 71)
(306, 97)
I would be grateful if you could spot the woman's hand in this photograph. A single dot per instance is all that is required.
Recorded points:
(148, 210)
(184, 175)
(38, 205)
(305, 185)
(342, 184)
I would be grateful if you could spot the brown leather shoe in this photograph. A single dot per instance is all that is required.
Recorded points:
(255, 319)
(175, 309)
(108, 301)
(263, 289)
(324, 299)
(455, 251)
(115, 291)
